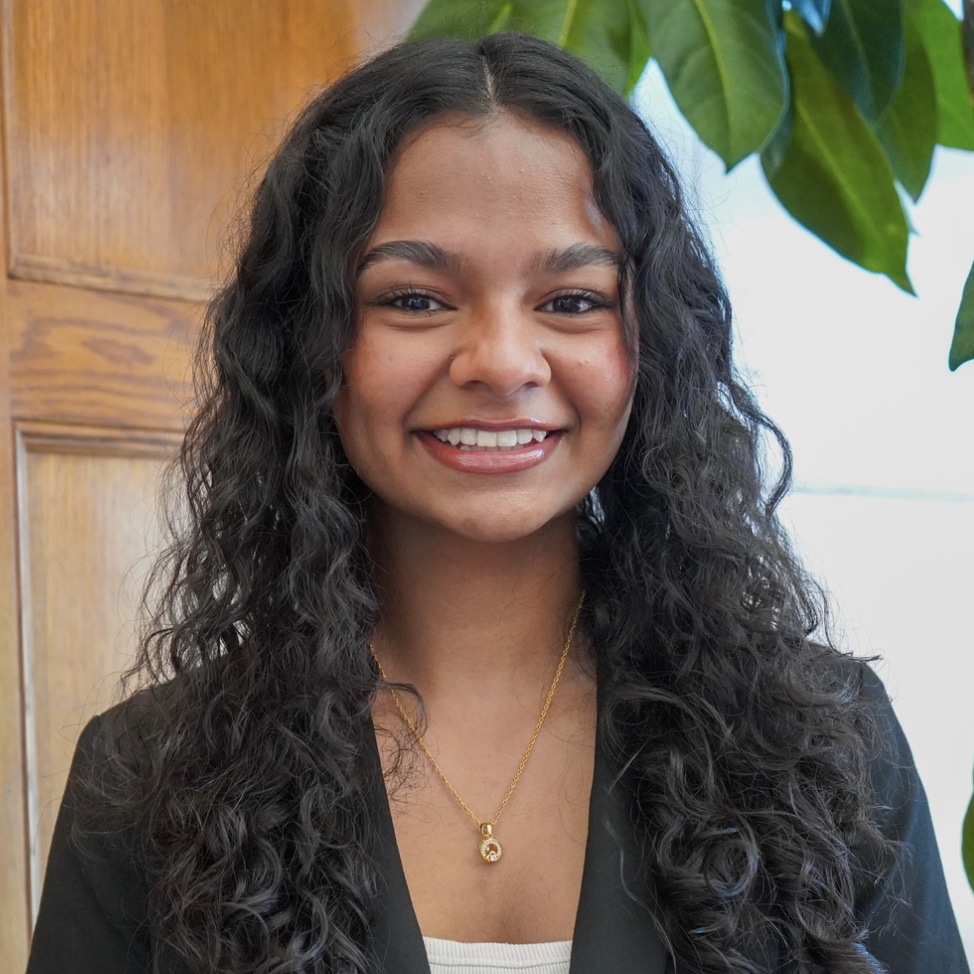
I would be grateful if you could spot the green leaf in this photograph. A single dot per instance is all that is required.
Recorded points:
(466, 19)
(815, 13)
(601, 33)
(639, 49)
(605, 33)
(961, 351)
(863, 46)
(967, 843)
(551, 19)
(725, 68)
(830, 172)
(908, 130)
(941, 32)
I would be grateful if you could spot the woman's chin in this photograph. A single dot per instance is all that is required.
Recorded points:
(494, 527)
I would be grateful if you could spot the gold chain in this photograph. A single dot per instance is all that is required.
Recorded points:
(490, 848)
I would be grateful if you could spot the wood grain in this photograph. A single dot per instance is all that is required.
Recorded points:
(133, 128)
(14, 914)
(58, 270)
(88, 527)
(79, 356)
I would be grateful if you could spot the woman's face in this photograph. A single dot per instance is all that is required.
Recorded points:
(489, 385)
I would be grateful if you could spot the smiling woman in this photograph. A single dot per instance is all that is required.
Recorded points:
(479, 351)
(482, 646)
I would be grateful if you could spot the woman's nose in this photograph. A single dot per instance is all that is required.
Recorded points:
(501, 350)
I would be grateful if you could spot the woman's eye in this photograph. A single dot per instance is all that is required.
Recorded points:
(413, 301)
(573, 304)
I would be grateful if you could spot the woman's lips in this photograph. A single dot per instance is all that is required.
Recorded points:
(486, 458)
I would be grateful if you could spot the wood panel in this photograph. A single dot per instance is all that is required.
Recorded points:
(14, 915)
(87, 503)
(80, 356)
(130, 124)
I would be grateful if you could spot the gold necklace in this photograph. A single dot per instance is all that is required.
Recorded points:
(490, 847)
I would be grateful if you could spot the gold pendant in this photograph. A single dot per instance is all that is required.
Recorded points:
(490, 848)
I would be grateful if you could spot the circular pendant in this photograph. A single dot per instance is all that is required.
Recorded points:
(490, 850)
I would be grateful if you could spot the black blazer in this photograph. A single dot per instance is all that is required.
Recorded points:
(93, 917)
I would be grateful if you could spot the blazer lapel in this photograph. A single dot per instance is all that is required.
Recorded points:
(612, 931)
(396, 938)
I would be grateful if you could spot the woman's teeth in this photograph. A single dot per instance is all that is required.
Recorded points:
(465, 437)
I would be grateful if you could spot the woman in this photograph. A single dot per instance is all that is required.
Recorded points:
(482, 628)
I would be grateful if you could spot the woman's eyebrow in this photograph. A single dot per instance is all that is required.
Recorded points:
(573, 257)
(425, 254)
(414, 252)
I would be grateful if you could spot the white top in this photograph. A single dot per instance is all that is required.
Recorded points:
(454, 957)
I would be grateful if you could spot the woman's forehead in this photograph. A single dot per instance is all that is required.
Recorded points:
(504, 180)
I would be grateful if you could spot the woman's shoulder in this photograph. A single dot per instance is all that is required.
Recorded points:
(902, 898)
(895, 784)
(93, 914)
(121, 742)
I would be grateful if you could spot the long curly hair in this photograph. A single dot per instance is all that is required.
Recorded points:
(742, 741)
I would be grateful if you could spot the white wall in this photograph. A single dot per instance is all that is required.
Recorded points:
(855, 373)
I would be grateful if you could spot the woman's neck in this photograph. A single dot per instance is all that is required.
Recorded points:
(463, 614)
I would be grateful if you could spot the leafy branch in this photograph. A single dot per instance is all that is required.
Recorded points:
(844, 101)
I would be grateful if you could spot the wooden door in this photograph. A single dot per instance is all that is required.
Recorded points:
(131, 129)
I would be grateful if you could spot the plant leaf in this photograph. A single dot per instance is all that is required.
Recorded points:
(815, 13)
(961, 351)
(600, 33)
(830, 172)
(466, 19)
(639, 49)
(941, 32)
(863, 46)
(908, 130)
(551, 19)
(967, 843)
(725, 68)
(604, 33)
